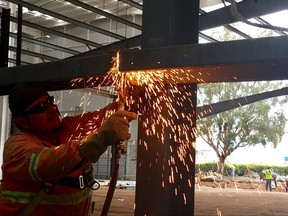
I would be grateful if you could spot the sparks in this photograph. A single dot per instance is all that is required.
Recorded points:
(165, 96)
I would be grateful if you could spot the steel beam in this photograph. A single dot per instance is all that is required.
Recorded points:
(133, 42)
(4, 40)
(216, 108)
(56, 75)
(67, 19)
(34, 54)
(60, 34)
(208, 20)
(19, 36)
(248, 9)
(133, 4)
(243, 60)
(242, 34)
(104, 13)
(13, 61)
(176, 24)
(46, 44)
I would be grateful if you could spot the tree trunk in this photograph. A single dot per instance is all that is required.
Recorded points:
(220, 165)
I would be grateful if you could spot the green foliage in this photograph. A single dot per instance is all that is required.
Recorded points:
(241, 169)
(206, 167)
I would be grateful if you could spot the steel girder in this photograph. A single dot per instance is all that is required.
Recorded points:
(208, 20)
(55, 75)
(248, 8)
(133, 3)
(58, 33)
(67, 19)
(216, 108)
(244, 60)
(104, 13)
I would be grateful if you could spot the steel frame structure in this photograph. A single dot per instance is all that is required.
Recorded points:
(234, 61)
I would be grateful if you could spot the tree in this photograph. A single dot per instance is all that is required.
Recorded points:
(261, 122)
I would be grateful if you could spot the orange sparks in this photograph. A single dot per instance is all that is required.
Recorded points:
(165, 96)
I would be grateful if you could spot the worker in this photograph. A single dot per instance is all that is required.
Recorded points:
(268, 178)
(230, 169)
(47, 166)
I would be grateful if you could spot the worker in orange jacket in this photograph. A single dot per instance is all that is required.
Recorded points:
(48, 162)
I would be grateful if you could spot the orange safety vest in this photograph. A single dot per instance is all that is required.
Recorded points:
(29, 162)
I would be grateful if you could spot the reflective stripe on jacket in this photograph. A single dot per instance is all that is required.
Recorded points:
(53, 199)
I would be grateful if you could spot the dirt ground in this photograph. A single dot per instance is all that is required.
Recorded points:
(234, 199)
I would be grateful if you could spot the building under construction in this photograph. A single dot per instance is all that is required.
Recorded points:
(68, 47)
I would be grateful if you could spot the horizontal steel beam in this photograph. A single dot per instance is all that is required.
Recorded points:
(216, 18)
(113, 47)
(248, 9)
(13, 61)
(244, 60)
(57, 75)
(67, 19)
(34, 54)
(104, 13)
(54, 32)
(45, 44)
(133, 4)
(216, 108)
(208, 20)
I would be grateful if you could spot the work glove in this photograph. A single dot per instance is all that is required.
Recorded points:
(116, 127)
(114, 130)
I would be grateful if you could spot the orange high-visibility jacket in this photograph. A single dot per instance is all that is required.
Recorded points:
(29, 162)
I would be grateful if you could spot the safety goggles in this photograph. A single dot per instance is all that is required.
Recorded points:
(42, 107)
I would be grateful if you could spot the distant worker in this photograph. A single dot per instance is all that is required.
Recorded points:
(47, 166)
(230, 169)
(268, 177)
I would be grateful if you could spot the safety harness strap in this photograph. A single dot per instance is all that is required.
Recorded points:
(36, 200)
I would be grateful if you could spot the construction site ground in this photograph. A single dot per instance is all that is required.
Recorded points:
(231, 198)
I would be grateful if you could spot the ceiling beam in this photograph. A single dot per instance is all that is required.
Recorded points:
(67, 19)
(13, 61)
(34, 54)
(133, 4)
(248, 9)
(104, 13)
(54, 32)
(207, 20)
(264, 22)
(45, 44)
(242, 34)
(113, 47)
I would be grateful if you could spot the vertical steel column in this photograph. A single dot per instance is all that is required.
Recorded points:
(4, 42)
(167, 23)
(19, 35)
